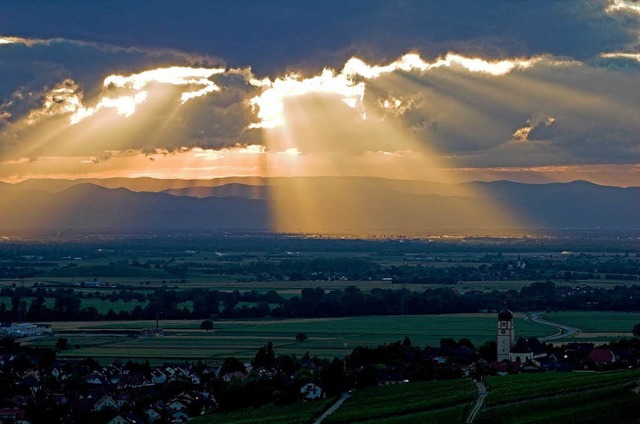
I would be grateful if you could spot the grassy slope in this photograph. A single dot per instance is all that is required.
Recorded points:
(301, 413)
(527, 386)
(563, 398)
(393, 402)
(597, 322)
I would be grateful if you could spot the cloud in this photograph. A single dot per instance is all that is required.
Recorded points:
(32, 67)
(291, 34)
(622, 6)
(477, 93)
(349, 83)
(621, 55)
(470, 110)
(524, 133)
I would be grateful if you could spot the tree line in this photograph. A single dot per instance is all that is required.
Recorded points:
(28, 304)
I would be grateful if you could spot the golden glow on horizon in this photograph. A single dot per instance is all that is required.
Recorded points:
(229, 162)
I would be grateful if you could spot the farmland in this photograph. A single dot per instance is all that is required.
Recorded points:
(294, 414)
(516, 399)
(596, 326)
(241, 338)
(569, 398)
(406, 401)
(528, 386)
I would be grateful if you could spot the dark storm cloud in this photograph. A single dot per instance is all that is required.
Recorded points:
(274, 35)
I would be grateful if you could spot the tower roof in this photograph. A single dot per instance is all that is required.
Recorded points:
(505, 314)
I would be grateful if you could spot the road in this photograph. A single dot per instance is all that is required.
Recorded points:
(333, 408)
(563, 330)
(482, 394)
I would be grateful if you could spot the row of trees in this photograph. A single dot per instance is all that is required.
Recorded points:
(171, 304)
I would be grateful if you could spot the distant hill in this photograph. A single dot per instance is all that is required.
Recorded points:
(245, 191)
(133, 184)
(320, 204)
(88, 207)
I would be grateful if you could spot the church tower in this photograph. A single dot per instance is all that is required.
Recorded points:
(506, 334)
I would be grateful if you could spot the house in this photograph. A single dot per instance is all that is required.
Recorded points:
(94, 378)
(122, 399)
(601, 356)
(179, 417)
(176, 405)
(158, 377)
(527, 349)
(119, 419)
(59, 399)
(133, 380)
(20, 400)
(152, 332)
(11, 414)
(311, 391)
(532, 366)
(33, 383)
(391, 379)
(152, 415)
(105, 402)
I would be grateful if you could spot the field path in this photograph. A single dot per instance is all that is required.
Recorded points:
(333, 408)
(563, 330)
(482, 394)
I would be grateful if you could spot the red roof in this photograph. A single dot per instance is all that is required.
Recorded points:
(601, 356)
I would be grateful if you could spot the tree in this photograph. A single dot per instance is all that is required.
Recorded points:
(232, 364)
(300, 337)
(62, 343)
(406, 343)
(488, 351)
(636, 330)
(207, 325)
(265, 357)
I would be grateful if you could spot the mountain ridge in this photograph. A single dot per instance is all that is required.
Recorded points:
(335, 205)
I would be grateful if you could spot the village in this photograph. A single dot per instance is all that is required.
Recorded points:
(39, 387)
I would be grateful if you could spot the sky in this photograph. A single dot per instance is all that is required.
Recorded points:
(535, 92)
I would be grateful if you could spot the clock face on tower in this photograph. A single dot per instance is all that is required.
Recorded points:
(503, 331)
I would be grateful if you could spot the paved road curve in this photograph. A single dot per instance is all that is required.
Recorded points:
(482, 394)
(563, 330)
(333, 408)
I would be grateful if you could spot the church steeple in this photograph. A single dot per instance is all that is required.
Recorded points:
(506, 334)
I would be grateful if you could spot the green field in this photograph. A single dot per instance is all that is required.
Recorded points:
(405, 401)
(301, 413)
(563, 398)
(242, 338)
(614, 323)
(520, 387)
(451, 415)
(102, 306)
